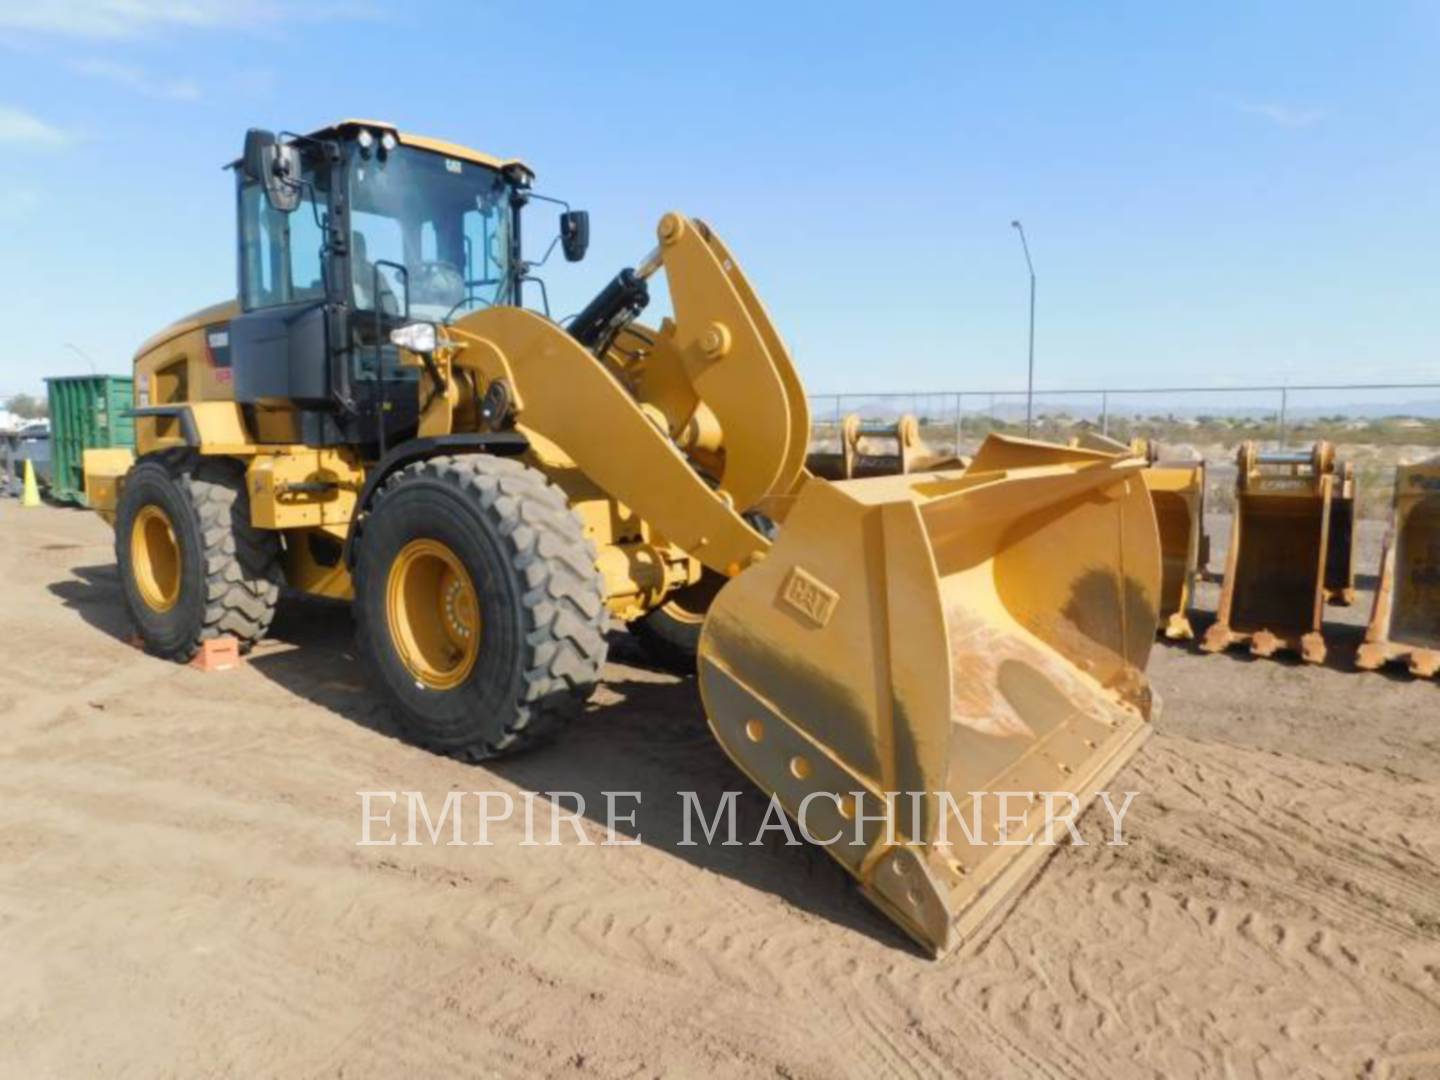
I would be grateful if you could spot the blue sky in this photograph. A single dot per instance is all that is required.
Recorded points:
(1213, 193)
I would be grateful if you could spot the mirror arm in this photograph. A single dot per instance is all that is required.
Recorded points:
(544, 293)
(549, 199)
(546, 257)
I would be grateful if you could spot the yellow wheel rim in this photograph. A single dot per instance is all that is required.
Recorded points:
(434, 614)
(690, 604)
(155, 558)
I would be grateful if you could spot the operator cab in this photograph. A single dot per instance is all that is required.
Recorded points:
(346, 235)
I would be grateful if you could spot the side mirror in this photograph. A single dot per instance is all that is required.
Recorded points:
(575, 234)
(275, 166)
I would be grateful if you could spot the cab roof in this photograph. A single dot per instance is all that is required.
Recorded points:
(425, 142)
(344, 128)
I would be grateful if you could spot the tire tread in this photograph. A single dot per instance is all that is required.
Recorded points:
(242, 563)
(562, 597)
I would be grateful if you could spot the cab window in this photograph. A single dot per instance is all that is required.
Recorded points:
(281, 255)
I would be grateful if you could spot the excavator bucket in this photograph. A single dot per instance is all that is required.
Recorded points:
(925, 666)
(879, 449)
(1340, 548)
(1405, 621)
(1278, 571)
(1178, 493)
(1177, 490)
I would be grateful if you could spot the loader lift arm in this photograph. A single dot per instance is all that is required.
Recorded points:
(718, 374)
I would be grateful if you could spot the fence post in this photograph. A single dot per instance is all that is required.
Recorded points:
(1284, 401)
(959, 422)
(1104, 413)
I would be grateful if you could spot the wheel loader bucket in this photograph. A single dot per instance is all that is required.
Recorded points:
(1405, 621)
(1278, 569)
(958, 638)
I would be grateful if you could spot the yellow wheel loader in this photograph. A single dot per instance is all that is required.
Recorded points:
(378, 417)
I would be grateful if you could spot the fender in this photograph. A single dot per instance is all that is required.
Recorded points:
(502, 443)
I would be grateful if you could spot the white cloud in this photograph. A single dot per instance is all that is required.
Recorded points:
(131, 18)
(1287, 116)
(137, 79)
(19, 126)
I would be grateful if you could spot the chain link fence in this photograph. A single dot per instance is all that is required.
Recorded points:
(1375, 425)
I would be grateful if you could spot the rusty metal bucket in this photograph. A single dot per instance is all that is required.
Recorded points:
(1405, 621)
(1283, 563)
(952, 636)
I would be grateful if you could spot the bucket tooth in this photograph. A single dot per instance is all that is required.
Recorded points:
(1372, 656)
(1217, 639)
(953, 637)
(1264, 643)
(1178, 628)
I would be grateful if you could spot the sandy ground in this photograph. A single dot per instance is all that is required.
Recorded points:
(181, 893)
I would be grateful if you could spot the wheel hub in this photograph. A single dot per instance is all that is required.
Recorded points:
(155, 558)
(433, 614)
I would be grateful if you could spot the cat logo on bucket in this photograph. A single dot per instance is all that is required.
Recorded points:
(809, 597)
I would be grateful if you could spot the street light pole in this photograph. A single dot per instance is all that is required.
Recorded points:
(1030, 378)
(80, 353)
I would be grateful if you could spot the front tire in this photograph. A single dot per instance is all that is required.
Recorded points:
(479, 606)
(670, 633)
(191, 564)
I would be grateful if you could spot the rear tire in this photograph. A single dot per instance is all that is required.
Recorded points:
(479, 605)
(191, 564)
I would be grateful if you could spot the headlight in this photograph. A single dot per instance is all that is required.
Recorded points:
(387, 141)
(417, 337)
(365, 140)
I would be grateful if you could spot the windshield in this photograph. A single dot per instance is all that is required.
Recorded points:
(446, 221)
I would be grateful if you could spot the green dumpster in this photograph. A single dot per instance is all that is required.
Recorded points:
(87, 412)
